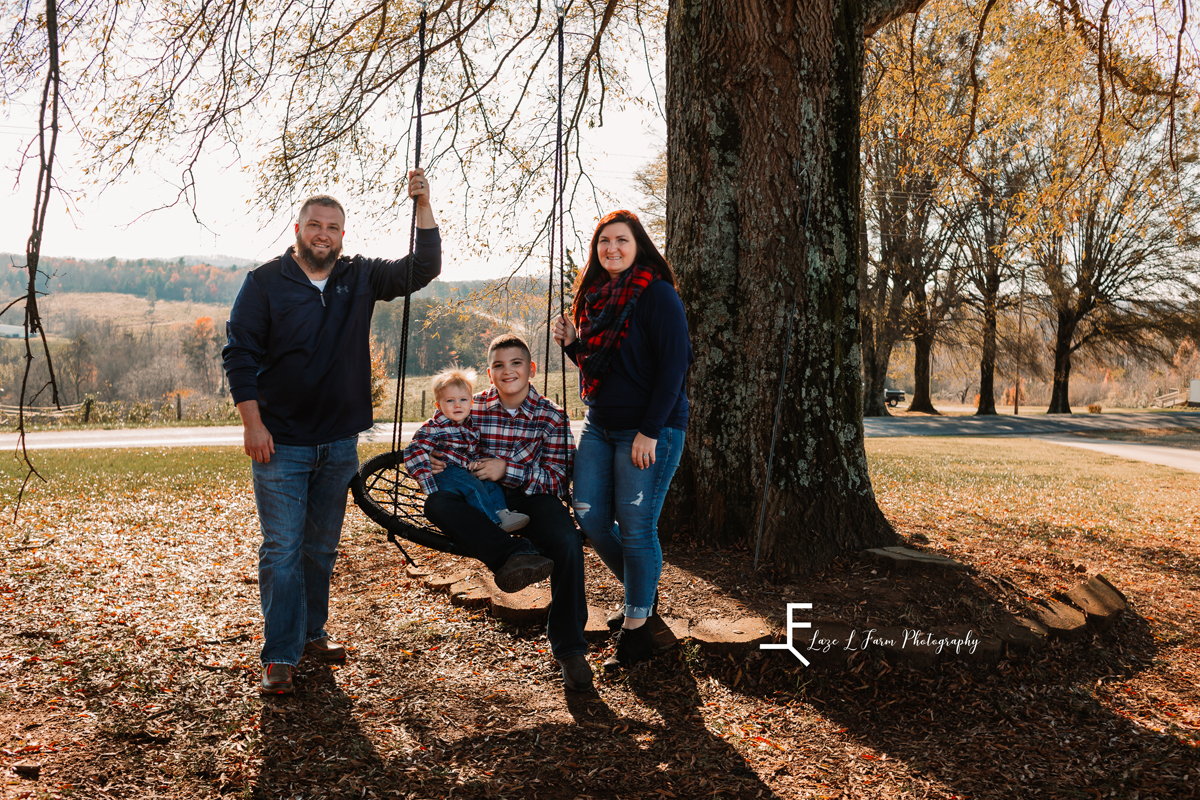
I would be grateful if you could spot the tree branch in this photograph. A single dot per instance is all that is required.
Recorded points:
(33, 248)
(877, 13)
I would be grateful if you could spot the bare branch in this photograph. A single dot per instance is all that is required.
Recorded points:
(987, 9)
(1171, 146)
(877, 13)
(47, 143)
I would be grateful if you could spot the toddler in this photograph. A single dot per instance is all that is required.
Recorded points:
(450, 434)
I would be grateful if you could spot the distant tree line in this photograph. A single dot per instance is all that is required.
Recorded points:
(453, 322)
(437, 339)
(182, 279)
(450, 323)
(1044, 239)
(143, 277)
(100, 359)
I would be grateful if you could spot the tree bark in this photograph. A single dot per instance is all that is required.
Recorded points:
(987, 361)
(762, 114)
(1060, 402)
(878, 354)
(922, 399)
(869, 319)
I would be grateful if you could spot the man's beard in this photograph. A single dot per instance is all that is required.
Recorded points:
(314, 262)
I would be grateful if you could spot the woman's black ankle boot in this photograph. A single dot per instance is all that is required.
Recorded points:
(634, 645)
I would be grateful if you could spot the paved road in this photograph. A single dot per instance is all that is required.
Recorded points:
(1028, 426)
(1176, 457)
(1034, 425)
(1045, 428)
(223, 436)
(1056, 429)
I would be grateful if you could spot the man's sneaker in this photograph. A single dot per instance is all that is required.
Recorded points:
(325, 650)
(577, 673)
(277, 679)
(512, 521)
(522, 570)
(634, 645)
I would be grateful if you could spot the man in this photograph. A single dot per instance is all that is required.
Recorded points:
(528, 439)
(299, 367)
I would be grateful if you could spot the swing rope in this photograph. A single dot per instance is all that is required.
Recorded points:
(382, 487)
(787, 347)
(560, 172)
(402, 366)
(557, 213)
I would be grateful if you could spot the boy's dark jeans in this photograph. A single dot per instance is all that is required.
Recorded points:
(551, 532)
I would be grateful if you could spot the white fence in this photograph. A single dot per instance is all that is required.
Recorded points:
(44, 411)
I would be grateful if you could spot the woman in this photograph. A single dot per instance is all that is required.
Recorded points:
(629, 336)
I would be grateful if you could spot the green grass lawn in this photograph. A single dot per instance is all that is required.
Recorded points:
(1033, 485)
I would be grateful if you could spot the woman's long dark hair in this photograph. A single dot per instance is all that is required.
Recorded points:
(647, 255)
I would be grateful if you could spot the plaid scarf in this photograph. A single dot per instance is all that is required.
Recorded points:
(604, 323)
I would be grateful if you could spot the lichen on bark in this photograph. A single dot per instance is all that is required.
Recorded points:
(763, 175)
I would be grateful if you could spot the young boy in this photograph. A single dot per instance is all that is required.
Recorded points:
(450, 434)
(530, 447)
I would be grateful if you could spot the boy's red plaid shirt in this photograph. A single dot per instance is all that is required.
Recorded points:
(536, 443)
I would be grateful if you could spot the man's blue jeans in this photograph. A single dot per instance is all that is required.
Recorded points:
(617, 506)
(487, 496)
(301, 497)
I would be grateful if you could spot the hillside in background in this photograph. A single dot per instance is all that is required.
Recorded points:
(211, 281)
(65, 312)
(147, 330)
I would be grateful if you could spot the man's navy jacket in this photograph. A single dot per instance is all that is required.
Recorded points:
(304, 353)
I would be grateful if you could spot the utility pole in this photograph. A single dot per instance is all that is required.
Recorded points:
(1020, 331)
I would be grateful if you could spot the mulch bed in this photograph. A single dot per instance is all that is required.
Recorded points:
(128, 668)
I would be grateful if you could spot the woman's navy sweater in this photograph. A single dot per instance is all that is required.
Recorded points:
(645, 388)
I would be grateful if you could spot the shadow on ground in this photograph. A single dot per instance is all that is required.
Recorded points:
(1047, 723)
(313, 747)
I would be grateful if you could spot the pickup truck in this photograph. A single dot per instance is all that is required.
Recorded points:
(893, 397)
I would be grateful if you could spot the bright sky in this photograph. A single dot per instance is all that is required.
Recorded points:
(107, 224)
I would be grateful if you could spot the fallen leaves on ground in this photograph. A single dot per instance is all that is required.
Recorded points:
(129, 654)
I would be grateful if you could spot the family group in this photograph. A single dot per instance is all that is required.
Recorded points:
(496, 466)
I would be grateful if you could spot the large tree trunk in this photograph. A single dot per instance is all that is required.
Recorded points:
(1060, 402)
(921, 400)
(879, 338)
(879, 356)
(762, 109)
(987, 361)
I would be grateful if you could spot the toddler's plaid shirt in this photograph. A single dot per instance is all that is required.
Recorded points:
(454, 443)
